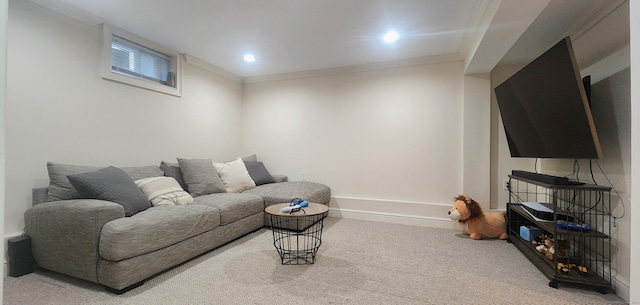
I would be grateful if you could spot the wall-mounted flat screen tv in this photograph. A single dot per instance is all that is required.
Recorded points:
(545, 110)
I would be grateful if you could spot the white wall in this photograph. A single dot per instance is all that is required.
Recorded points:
(59, 109)
(476, 143)
(388, 142)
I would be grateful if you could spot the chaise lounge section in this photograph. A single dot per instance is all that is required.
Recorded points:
(97, 241)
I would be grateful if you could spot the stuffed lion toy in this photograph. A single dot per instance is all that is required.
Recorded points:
(478, 224)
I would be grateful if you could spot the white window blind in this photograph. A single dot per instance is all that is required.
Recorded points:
(134, 60)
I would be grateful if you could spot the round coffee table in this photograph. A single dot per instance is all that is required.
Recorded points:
(297, 236)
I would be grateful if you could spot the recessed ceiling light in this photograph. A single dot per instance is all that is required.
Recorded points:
(390, 37)
(249, 58)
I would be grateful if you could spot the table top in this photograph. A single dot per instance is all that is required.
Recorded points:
(312, 210)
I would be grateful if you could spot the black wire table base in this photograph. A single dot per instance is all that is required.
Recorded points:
(297, 239)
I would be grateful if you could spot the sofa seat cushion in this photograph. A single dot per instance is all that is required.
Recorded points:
(154, 229)
(232, 206)
(286, 191)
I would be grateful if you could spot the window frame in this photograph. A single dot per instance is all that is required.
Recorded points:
(108, 74)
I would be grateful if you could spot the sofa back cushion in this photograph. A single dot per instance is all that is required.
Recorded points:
(172, 169)
(61, 189)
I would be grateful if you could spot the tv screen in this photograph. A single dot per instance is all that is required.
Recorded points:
(545, 110)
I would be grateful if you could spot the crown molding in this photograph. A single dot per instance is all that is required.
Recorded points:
(212, 68)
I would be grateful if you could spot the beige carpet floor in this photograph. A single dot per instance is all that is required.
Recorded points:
(359, 262)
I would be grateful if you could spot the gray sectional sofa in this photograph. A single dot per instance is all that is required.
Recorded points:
(92, 239)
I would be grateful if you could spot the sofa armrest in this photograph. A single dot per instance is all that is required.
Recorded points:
(280, 178)
(65, 234)
(39, 195)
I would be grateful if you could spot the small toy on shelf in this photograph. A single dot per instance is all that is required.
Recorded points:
(549, 247)
(583, 270)
(566, 268)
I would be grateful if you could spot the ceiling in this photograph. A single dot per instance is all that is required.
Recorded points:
(290, 36)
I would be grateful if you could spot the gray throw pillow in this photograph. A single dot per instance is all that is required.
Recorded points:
(111, 184)
(201, 177)
(259, 173)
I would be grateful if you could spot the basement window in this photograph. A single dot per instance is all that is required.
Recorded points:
(135, 61)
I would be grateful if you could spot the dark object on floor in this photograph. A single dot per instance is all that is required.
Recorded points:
(20, 258)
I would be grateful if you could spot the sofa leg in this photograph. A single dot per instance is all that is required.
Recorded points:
(125, 289)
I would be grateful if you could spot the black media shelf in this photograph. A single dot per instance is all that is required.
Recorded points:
(588, 252)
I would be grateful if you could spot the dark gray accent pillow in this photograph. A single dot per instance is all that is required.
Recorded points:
(173, 170)
(259, 173)
(111, 184)
(201, 177)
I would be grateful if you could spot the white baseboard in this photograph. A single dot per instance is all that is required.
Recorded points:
(621, 289)
(393, 211)
(391, 218)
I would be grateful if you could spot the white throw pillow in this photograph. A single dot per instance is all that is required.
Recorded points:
(164, 191)
(234, 175)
